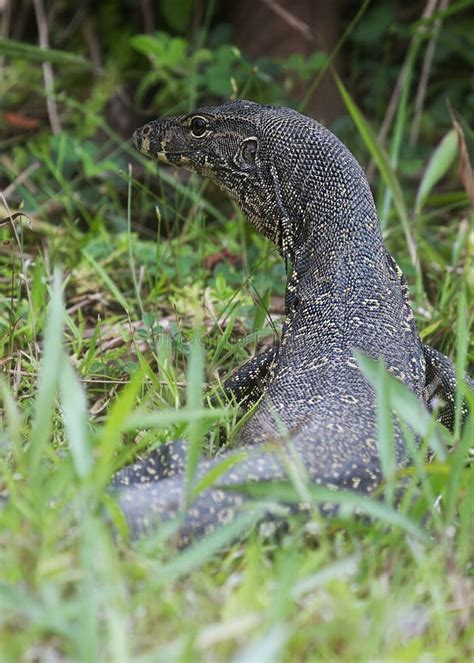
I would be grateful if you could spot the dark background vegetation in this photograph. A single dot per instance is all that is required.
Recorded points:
(148, 256)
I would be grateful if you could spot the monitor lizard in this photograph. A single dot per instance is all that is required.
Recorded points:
(303, 189)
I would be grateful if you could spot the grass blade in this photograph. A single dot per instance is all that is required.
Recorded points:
(383, 163)
(22, 51)
(110, 437)
(48, 378)
(202, 550)
(462, 341)
(457, 461)
(284, 491)
(74, 412)
(194, 399)
(104, 276)
(13, 418)
(385, 437)
(406, 404)
(438, 165)
(164, 418)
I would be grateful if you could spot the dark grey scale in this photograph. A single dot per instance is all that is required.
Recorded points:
(301, 188)
(163, 462)
(248, 382)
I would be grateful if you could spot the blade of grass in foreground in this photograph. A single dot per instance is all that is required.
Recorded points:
(193, 557)
(12, 418)
(163, 418)
(337, 570)
(265, 648)
(110, 439)
(462, 341)
(457, 461)
(102, 601)
(194, 400)
(385, 434)
(406, 404)
(75, 418)
(48, 378)
(284, 491)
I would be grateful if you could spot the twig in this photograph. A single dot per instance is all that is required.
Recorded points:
(48, 76)
(5, 10)
(73, 24)
(425, 74)
(92, 42)
(21, 179)
(289, 18)
(428, 12)
(148, 18)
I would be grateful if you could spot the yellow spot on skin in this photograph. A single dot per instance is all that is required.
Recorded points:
(145, 146)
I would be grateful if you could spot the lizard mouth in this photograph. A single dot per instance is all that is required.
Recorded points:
(151, 146)
(141, 141)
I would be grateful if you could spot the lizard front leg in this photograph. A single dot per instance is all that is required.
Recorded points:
(440, 387)
(248, 382)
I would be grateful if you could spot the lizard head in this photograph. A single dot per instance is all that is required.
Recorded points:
(230, 145)
(221, 143)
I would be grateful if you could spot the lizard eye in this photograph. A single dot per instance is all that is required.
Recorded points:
(198, 126)
(248, 151)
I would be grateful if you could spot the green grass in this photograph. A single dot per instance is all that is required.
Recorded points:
(115, 333)
(99, 376)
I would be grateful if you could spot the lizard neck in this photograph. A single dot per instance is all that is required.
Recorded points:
(333, 222)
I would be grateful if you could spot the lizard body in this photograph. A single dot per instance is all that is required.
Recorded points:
(303, 189)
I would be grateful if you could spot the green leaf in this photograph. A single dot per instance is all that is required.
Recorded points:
(261, 310)
(211, 477)
(438, 165)
(427, 331)
(457, 461)
(13, 419)
(265, 648)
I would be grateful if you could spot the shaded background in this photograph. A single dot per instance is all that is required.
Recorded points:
(283, 47)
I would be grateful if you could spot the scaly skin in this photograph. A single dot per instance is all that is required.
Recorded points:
(302, 188)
